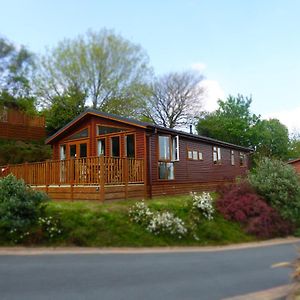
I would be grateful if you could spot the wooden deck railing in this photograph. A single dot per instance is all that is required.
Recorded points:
(83, 171)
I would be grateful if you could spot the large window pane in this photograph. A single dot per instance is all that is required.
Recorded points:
(115, 146)
(164, 147)
(106, 130)
(83, 150)
(166, 170)
(101, 147)
(79, 135)
(130, 145)
(72, 150)
(62, 152)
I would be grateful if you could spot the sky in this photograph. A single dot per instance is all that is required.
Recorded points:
(241, 47)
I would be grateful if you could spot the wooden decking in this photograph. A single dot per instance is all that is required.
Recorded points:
(91, 178)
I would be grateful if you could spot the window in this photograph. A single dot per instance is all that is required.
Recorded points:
(107, 129)
(216, 155)
(168, 148)
(200, 156)
(175, 148)
(195, 155)
(62, 152)
(83, 150)
(79, 135)
(166, 170)
(242, 159)
(72, 151)
(232, 157)
(190, 154)
(101, 147)
(130, 145)
(115, 146)
(164, 147)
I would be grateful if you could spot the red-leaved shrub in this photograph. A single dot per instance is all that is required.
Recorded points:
(240, 203)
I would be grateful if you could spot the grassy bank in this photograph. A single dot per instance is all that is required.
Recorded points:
(108, 224)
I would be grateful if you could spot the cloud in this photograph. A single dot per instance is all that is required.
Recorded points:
(212, 93)
(289, 118)
(200, 67)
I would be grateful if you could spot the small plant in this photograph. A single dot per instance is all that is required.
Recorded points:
(50, 227)
(240, 203)
(202, 204)
(157, 222)
(167, 223)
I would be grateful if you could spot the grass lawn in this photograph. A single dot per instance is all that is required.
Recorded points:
(97, 224)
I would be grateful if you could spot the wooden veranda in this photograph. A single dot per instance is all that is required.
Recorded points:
(91, 178)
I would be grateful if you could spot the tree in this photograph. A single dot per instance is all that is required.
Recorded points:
(294, 146)
(64, 109)
(111, 71)
(272, 139)
(175, 98)
(232, 122)
(16, 67)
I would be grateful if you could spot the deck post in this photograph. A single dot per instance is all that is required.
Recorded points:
(72, 174)
(47, 174)
(102, 178)
(125, 176)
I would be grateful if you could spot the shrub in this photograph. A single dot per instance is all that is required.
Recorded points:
(20, 208)
(157, 222)
(202, 204)
(279, 185)
(240, 203)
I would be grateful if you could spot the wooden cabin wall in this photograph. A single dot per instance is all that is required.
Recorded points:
(192, 175)
(91, 122)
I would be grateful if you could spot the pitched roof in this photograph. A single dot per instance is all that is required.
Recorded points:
(145, 125)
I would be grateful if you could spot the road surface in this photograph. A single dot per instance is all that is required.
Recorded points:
(182, 276)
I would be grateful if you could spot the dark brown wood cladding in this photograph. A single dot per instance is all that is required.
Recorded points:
(192, 172)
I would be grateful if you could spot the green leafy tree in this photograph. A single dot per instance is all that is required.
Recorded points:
(294, 146)
(232, 122)
(16, 71)
(112, 71)
(272, 139)
(64, 109)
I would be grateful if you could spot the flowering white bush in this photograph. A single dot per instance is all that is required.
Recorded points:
(50, 226)
(156, 222)
(166, 222)
(140, 213)
(203, 203)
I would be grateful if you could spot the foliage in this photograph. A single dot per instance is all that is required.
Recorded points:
(15, 152)
(232, 122)
(20, 208)
(272, 139)
(240, 203)
(64, 109)
(85, 223)
(294, 146)
(16, 67)
(278, 183)
(111, 71)
(50, 226)
(176, 98)
(157, 222)
(202, 204)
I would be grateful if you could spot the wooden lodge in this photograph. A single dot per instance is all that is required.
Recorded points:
(17, 125)
(101, 156)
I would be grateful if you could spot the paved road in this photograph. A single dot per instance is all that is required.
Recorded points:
(212, 275)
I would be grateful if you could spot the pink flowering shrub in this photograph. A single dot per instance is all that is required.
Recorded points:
(240, 203)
